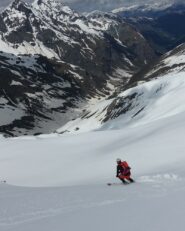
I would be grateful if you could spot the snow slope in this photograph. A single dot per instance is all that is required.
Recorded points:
(75, 169)
(47, 160)
(153, 100)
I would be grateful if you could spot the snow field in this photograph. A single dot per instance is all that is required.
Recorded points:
(73, 171)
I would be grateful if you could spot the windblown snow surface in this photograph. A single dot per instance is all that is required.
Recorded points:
(58, 182)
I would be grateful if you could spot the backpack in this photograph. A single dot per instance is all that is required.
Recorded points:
(126, 168)
(125, 165)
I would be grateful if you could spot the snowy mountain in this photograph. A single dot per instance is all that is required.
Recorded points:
(52, 29)
(86, 57)
(140, 101)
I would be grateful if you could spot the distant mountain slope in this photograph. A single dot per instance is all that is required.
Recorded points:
(38, 102)
(54, 30)
(172, 62)
(161, 24)
(150, 9)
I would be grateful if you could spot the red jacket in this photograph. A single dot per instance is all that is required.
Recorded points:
(123, 170)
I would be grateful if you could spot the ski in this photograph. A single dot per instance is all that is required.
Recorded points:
(110, 184)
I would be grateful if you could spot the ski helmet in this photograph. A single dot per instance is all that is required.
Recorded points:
(118, 160)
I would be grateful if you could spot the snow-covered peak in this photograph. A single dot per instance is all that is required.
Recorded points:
(24, 25)
(158, 6)
(122, 9)
(144, 9)
(100, 14)
(52, 7)
(102, 20)
(17, 5)
(46, 2)
(15, 15)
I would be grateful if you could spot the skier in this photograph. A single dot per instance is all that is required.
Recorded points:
(123, 171)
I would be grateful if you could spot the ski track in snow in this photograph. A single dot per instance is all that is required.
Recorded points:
(21, 205)
(27, 206)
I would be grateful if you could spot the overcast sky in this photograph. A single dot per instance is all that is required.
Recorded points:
(89, 5)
